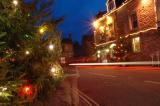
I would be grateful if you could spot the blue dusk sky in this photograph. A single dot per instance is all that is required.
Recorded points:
(78, 16)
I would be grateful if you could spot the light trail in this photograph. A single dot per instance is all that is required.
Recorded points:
(112, 76)
(152, 82)
(117, 63)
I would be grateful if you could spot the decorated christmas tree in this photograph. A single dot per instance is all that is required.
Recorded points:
(120, 50)
(29, 54)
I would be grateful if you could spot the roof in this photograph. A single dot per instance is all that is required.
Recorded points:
(118, 2)
(67, 40)
(100, 14)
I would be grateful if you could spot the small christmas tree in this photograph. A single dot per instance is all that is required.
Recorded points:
(120, 50)
(29, 55)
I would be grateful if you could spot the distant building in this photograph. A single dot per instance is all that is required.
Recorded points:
(88, 45)
(136, 20)
(67, 47)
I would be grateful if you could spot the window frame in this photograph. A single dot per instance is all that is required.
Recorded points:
(132, 19)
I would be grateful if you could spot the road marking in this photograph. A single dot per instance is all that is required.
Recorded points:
(90, 99)
(86, 98)
(152, 82)
(103, 75)
(81, 96)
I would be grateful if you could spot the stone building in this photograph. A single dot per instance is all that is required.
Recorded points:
(88, 45)
(67, 49)
(136, 20)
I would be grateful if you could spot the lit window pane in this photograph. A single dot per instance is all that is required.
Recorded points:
(136, 44)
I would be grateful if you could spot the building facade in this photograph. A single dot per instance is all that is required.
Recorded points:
(138, 21)
(67, 50)
(88, 45)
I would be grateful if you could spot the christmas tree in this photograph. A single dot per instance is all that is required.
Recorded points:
(29, 54)
(120, 50)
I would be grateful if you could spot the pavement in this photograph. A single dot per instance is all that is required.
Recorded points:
(66, 93)
(108, 86)
(120, 86)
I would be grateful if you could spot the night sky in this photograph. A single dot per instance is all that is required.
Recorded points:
(78, 15)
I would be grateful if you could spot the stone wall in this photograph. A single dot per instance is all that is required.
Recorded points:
(150, 45)
(146, 16)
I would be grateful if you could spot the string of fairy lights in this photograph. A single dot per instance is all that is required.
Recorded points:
(27, 90)
(97, 25)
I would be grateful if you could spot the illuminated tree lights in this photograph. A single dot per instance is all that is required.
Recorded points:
(96, 24)
(27, 90)
(42, 29)
(142, 3)
(15, 2)
(120, 50)
(23, 55)
(51, 47)
(27, 52)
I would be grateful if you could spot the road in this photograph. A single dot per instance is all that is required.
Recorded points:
(120, 86)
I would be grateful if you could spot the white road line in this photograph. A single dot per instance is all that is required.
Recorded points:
(152, 82)
(82, 97)
(112, 76)
(86, 98)
(83, 94)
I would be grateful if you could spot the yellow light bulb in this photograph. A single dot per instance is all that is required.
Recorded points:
(146, 2)
(51, 47)
(42, 29)
(53, 69)
(27, 52)
(109, 20)
(112, 45)
(96, 24)
(107, 50)
(15, 2)
(98, 51)
(98, 56)
(102, 29)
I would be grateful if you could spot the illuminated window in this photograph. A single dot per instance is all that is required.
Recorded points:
(133, 21)
(136, 44)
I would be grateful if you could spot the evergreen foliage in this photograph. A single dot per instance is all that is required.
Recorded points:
(25, 56)
(121, 49)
